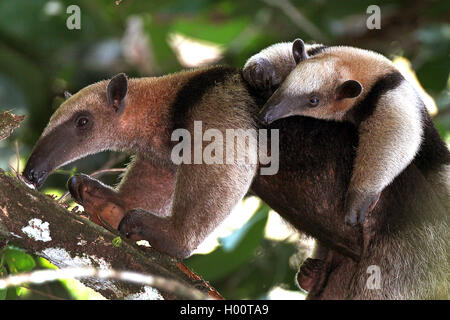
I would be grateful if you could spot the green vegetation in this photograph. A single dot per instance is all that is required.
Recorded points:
(41, 58)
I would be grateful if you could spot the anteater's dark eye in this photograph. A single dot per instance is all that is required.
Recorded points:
(314, 101)
(81, 122)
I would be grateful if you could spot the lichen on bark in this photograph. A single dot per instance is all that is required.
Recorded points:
(8, 122)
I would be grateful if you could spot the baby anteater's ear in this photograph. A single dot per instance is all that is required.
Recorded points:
(117, 90)
(299, 51)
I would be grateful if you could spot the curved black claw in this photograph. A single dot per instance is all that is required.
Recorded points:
(80, 184)
(73, 184)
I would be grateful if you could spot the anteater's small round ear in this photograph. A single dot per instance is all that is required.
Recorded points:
(117, 90)
(299, 51)
(349, 89)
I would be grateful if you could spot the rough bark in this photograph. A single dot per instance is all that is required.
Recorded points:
(36, 223)
(8, 122)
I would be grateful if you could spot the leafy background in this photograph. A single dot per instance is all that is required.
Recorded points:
(40, 58)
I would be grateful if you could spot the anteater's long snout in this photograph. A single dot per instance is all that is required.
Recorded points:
(36, 170)
(48, 153)
(276, 108)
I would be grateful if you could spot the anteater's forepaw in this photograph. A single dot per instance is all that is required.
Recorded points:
(309, 273)
(99, 200)
(133, 225)
(259, 74)
(357, 206)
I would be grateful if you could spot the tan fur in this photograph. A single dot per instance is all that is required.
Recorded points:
(147, 185)
(142, 127)
(390, 138)
(215, 189)
(280, 57)
(327, 70)
(414, 262)
(147, 102)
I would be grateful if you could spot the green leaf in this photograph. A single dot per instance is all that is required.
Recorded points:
(3, 274)
(18, 291)
(239, 248)
(117, 242)
(73, 171)
(233, 240)
(18, 261)
(204, 29)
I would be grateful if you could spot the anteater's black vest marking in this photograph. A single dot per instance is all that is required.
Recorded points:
(195, 88)
(432, 152)
(366, 107)
(316, 50)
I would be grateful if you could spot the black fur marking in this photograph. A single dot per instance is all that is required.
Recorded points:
(316, 50)
(194, 90)
(367, 106)
(432, 152)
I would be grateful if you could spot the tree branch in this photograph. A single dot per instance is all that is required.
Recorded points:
(42, 276)
(36, 223)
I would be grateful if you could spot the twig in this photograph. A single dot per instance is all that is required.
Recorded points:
(45, 294)
(103, 171)
(94, 174)
(16, 145)
(61, 199)
(42, 276)
(114, 158)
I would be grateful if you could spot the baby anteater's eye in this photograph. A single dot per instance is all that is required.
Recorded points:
(314, 101)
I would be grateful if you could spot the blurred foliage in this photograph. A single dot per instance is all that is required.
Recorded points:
(40, 58)
(246, 265)
(13, 261)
